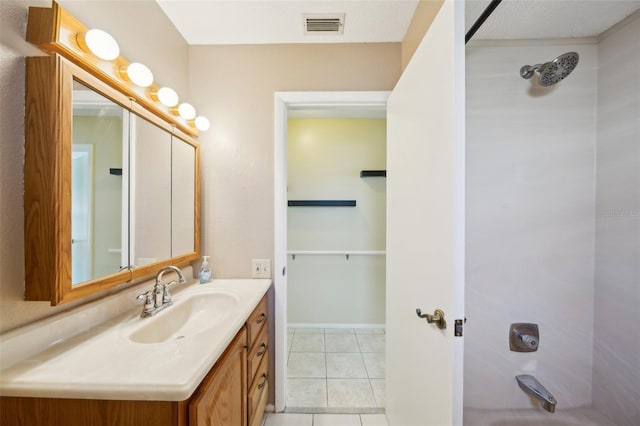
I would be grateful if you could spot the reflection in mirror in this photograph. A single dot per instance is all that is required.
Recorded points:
(183, 170)
(97, 186)
(150, 192)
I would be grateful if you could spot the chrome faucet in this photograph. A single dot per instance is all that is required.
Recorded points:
(533, 387)
(151, 304)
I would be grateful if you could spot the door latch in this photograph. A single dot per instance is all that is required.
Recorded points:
(457, 330)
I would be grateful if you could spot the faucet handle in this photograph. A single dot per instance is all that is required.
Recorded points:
(166, 296)
(148, 302)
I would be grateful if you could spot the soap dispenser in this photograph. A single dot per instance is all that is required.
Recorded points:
(205, 271)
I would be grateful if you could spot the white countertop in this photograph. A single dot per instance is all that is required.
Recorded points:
(103, 363)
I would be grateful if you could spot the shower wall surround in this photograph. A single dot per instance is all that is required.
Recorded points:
(553, 211)
(616, 339)
(530, 223)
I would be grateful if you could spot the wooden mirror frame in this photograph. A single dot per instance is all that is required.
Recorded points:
(48, 145)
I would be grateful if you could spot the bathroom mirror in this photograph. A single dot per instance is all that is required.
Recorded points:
(97, 185)
(111, 189)
(184, 169)
(151, 188)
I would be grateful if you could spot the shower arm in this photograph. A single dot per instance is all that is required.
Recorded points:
(528, 70)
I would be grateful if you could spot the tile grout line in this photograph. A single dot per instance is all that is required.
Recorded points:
(326, 367)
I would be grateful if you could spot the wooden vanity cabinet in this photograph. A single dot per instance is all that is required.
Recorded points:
(219, 400)
(233, 393)
(221, 397)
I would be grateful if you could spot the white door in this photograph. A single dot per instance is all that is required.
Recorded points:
(425, 228)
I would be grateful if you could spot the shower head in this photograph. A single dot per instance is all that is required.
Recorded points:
(552, 72)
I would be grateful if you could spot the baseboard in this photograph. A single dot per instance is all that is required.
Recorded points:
(335, 410)
(329, 325)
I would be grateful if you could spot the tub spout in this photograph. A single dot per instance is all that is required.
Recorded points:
(533, 387)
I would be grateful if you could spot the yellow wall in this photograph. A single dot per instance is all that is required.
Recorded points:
(324, 160)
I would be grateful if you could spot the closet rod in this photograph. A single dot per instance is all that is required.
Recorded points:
(346, 253)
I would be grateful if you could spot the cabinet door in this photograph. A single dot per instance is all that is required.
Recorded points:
(221, 398)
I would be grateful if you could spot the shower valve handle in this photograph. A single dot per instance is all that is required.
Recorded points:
(437, 318)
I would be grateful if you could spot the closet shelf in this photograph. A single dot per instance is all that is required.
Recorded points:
(322, 203)
(373, 173)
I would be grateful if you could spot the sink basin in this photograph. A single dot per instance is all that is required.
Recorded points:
(185, 318)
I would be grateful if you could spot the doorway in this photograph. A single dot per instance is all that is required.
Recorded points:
(300, 104)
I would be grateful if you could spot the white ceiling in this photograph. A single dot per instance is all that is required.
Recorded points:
(544, 19)
(281, 21)
(369, 21)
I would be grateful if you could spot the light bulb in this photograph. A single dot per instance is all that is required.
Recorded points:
(101, 44)
(187, 111)
(166, 96)
(202, 123)
(138, 73)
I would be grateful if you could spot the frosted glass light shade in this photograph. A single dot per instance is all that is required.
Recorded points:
(167, 97)
(187, 111)
(202, 123)
(101, 44)
(139, 74)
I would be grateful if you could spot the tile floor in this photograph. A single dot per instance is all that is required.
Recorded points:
(289, 419)
(335, 371)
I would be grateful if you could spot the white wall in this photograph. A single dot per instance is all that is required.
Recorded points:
(616, 350)
(530, 224)
(325, 157)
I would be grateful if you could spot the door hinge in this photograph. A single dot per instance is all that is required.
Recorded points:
(458, 327)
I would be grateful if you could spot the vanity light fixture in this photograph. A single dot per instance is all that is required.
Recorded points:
(166, 96)
(202, 123)
(138, 74)
(99, 43)
(102, 45)
(187, 111)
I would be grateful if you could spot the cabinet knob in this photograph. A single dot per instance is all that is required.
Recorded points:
(262, 350)
(263, 381)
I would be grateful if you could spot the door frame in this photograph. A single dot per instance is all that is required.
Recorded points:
(283, 102)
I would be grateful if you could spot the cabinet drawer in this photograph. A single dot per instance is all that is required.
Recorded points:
(256, 353)
(258, 389)
(257, 319)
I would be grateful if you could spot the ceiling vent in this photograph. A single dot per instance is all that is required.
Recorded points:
(324, 24)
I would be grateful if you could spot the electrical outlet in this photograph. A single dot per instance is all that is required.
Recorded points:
(260, 268)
